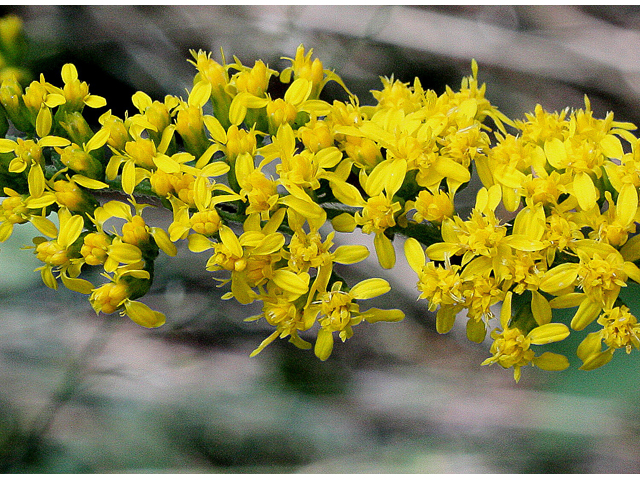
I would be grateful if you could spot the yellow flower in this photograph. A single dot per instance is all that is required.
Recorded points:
(302, 66)
(298, 172)
(280, 112)
(189, 123)
(522, 271)
(154, 116)
(620, 329)
(248, 87)
(216, 75)
(116, 296)
(75, 126)
(253, 80)
(398, 95)
(108, 297)
(307, 250)
(339, 312)
(441, 285)
(29, 152)
(141, 157)
(619, 221)
(251, 258)
(316, 135)
(75, 94)
(36, 96)
(62, 255)
(542, 125)
(483, 234)
(364, 152)
(380, 210)
(80, 159)
(510, 163)
(135, 232)
(261, 192)
(433, 207)
(296, 99)
(281, 310)
(238, 141)
(480, 292)
(16, 209)
(512, 347)
(11, 98)
(69, 194)
(118, 131)
(205, 221)
(600, 273)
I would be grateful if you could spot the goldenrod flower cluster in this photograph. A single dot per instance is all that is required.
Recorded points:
(261, 184)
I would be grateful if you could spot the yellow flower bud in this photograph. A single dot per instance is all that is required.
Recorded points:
(190, 126)
(108, 297)
(76, 127)
(11, 99)
(239, 141)
(280, 112)
(52, 253)
(94, 249)
(142, 150)
(316, 137)
(119, 135)
(161, 183)
(80, 161)
(135, 231)
(69, 194)
(205, 223)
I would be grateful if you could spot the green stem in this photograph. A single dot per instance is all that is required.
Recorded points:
(425, 233)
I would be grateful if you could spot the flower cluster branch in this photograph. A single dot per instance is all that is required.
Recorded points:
(261, 183)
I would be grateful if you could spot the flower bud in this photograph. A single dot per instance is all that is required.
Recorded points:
(76, 127)
(11, 99)
(72, 196)
(119, 134)
(108, 297)
(190, 126)
(80, 161)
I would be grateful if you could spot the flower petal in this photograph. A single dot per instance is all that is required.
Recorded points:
(370, 288)
(414, 253)
(551, 332)
(551, 361)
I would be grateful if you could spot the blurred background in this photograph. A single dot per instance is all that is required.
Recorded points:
(87, 394)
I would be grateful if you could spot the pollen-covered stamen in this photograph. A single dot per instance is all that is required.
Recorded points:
(306, 250)
(433, 207)
(440, 285)
(620, 329)
(378, 214)
(602, 278)
(337, 308)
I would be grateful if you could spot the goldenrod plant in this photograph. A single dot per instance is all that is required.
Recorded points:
(261, 184)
